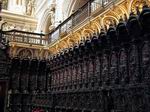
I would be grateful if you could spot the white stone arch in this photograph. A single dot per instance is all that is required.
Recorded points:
(45, 21)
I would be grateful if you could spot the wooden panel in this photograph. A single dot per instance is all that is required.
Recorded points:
(3, 89)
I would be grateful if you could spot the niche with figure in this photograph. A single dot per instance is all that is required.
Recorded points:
(4, 4)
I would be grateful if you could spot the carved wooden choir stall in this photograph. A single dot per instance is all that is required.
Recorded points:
(107, 72)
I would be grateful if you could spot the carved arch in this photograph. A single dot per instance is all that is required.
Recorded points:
(107, 20)
(64, 43)
(74, 38)
(25, 53)
(114, 14)
(124, 10)
(96, 26)
(45, 21)
(87, 32)
(78, 36)
(136, 3)
(71, 41)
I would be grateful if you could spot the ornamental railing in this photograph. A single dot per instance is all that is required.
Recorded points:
(25, 37)
(82, 14)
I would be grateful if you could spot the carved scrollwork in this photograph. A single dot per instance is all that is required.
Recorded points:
(74, 74)
(33, 75)
(133, 64)
(25, 53)
(146, 60)
(104, 68)
(15, 74)
(84, 72)
(113, 68)
(122, 65)
(97, 67)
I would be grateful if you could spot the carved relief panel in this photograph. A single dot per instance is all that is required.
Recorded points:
(104, 68)
(146, 59)
(33, 75)
(15, 70)
(113, 67)
(122, 65)
(133, 64)
(24, 75)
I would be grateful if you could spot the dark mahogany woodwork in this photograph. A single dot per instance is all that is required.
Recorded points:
(107, 72)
